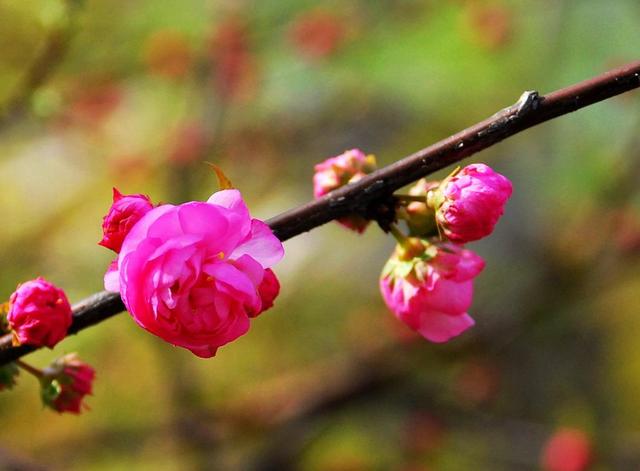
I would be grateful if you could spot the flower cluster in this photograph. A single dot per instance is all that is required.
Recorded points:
(192, 274)
(428, 282)
(38, 314)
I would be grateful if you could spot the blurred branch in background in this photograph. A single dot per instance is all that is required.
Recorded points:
(372, 195)
(53, 51)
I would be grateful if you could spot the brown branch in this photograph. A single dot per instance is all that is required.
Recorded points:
(371, 193)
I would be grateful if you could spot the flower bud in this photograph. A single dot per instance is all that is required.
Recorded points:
(421, 218)
(8, 374)
(432, 290)
(469, 203)
(39, 314)
(124, 213)
(341, 170)
(65, 383)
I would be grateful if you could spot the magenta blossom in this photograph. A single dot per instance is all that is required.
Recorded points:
(39, 314)
(192, 274)
(65, 384)
(125, 211)
(469, 203)
(338, 171)
(430, 287)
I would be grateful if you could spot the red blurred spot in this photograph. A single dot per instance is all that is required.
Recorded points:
(187, 143)
(133, 165)
(424, 433)
(167, 53)
(626, 230)
(91, 104)
(491, 25)
(317, 33)
(234, 65)
(567, 450)
(477, 382)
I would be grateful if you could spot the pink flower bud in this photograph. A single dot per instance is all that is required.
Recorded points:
(341, 170)
(194, 274)
(469, 203)
(65, 384)
(567, 450)
(39, 314)
(124, 213)
(431, 290)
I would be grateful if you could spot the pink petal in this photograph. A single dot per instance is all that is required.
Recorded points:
(263, 246)
(112, 277)
(230, 199)
(438, 327)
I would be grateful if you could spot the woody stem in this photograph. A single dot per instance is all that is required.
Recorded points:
(30, 369)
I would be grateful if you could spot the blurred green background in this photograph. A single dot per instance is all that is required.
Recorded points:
(137, 95)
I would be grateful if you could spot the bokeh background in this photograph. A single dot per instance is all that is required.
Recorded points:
(137, 95)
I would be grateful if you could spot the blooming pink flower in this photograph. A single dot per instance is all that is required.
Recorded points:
(431, 289)
(65, 384)
(469, 203)
(124, 213)
(192, 274)
(567, 450)
(39, 313)
(338, 171)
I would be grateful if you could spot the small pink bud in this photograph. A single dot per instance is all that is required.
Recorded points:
(469, 203)
(65, 384)
(567, 450)
(341, 170)
(124, 213)
(431, 291)
(39, 313)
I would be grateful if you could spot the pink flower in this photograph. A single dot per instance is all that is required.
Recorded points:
(124, 213)
(341, 170)
(567, 450)
(469, 203)
(192, 274)
(39, 313)
(65, 384)
(431, 288)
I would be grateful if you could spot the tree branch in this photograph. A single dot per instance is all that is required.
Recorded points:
(372, 192)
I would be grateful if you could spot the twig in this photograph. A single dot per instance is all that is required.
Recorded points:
(373, 192)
